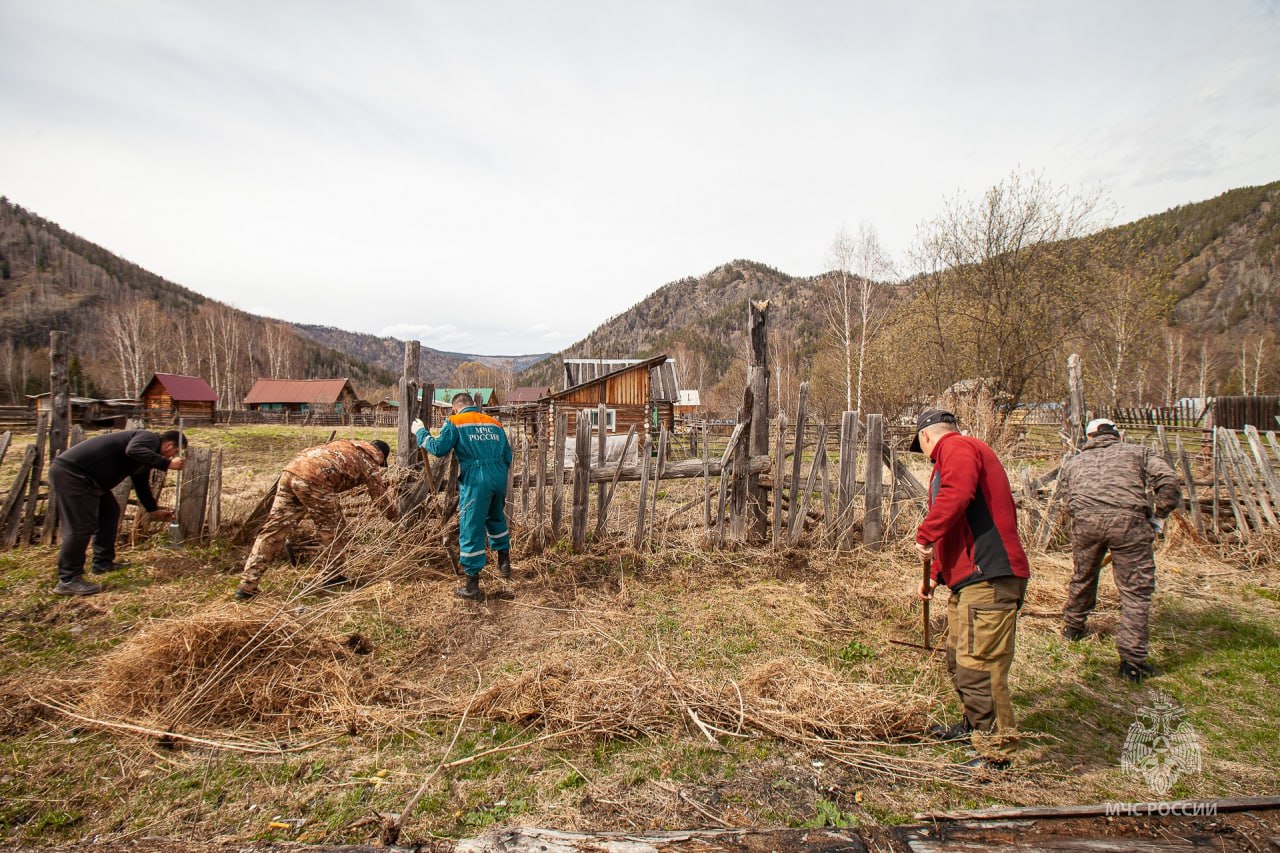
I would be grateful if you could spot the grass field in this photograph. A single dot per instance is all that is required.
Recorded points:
(686, 687)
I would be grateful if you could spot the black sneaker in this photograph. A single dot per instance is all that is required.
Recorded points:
(1075, 635)
(77, 586)
(955, 731)
(1136, 672)
(244, 595)
(113, 567)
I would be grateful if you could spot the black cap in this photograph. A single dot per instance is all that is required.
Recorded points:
(384, 447)
(928, 418)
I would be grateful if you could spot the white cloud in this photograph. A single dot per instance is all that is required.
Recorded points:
(510, 175)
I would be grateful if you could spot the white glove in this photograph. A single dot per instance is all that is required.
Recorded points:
(417, 426)
(1157, 524)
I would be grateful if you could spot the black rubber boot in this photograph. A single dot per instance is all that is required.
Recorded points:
(504, 564)
(1136, 672)
(471, 591)
(955, 731)
(1075, 635)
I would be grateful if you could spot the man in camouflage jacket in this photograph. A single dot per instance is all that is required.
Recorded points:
(310, 484)
(1105, 489)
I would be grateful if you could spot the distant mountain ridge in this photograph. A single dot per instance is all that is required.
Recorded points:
(1225, 253)
(128, 323)
(387, 353)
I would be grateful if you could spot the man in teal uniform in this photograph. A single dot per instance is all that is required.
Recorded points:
(484, 456)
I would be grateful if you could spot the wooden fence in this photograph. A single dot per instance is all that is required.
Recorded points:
(28, 515)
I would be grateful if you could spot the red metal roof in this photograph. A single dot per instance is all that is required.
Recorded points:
(297, 391)
(190, 389)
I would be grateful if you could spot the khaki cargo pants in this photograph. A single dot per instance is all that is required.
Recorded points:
(295, 498)
(982, 621)
(1129, 537)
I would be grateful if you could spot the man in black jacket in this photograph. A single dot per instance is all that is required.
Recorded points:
(82, 479)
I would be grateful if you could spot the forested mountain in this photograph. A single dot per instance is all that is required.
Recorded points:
(127, 323)
(1182, 303)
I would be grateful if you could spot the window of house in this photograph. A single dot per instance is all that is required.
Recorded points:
(610, 420)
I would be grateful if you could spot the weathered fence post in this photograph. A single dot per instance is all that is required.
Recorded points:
(757, 444)
(780, 454)
(643, 460)
(195, 491)
(1075, 400)
(848, 478)
(408, 390)
(581, 479)
(872, 527)
(796, 460)
(59, 417)
(557, 489)
(602, 415)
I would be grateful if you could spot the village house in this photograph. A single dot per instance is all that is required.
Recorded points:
(639, 392)
(169, 397)
(302, 396)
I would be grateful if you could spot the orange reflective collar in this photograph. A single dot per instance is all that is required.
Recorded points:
(470, 418)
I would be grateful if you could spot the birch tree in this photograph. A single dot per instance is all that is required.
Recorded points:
(853, 304)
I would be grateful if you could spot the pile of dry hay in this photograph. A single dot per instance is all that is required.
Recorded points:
(223, 668)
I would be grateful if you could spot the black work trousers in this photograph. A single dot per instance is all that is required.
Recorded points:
(85, 511)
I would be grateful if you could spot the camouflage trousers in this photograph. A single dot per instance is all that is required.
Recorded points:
(295, 498)
(982, 622)
(1129, 537)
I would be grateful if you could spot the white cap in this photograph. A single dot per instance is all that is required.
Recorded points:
(1097, 424)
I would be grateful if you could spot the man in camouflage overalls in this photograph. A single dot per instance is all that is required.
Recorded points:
(310, 484)
(1105, 488)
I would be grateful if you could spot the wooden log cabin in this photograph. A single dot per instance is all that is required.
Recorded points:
(641, 392)
(169, 397)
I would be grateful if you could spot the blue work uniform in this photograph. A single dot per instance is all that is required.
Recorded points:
(484, 456)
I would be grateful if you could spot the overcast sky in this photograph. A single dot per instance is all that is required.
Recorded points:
(501, 177)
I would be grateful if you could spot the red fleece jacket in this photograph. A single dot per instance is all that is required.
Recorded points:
(972, 521)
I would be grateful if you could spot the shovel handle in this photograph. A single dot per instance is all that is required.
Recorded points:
(927, 566)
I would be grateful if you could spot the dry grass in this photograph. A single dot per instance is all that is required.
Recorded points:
(687, 657)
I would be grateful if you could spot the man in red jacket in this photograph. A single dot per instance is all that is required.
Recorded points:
(971, 536)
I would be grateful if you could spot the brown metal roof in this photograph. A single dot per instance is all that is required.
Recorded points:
(189, 389)
(297, 391)
(528, 394)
